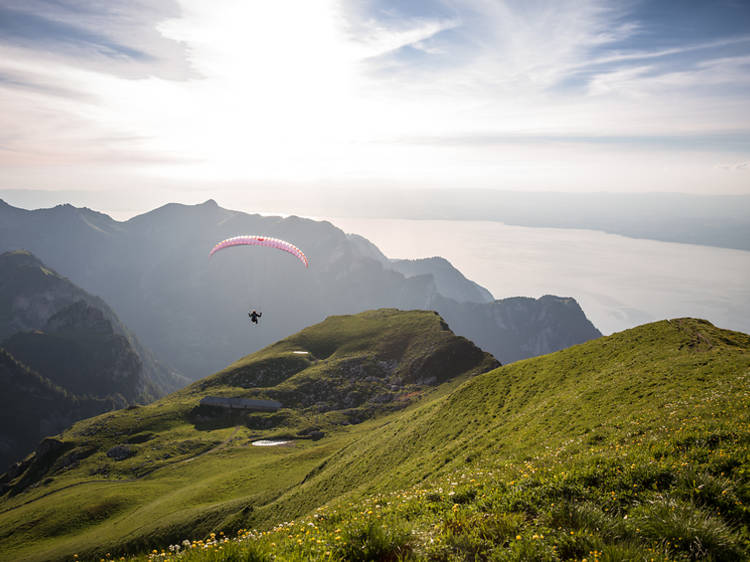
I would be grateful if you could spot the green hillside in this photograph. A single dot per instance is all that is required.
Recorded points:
(633, 446)
(629, 447)
(32, 406)
(156, 472)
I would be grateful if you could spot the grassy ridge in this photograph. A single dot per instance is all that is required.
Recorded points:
(593, 390)
(185, 468)
(632, 447)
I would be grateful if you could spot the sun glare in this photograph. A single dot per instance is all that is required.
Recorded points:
(482, 95)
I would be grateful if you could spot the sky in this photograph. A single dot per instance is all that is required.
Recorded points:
(188, 98)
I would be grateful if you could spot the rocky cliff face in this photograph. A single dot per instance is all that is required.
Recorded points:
(72, 337)
(65, 356)
(520, 327)
(78, 349)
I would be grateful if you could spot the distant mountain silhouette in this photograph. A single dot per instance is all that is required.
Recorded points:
(73, 338)
(191, 311)
(449, 281)
(64, 356)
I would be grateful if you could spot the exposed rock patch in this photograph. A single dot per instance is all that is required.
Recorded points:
(120, 452)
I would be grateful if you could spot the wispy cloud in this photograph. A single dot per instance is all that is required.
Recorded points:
(703, 78)
(443, 90)
(26, 28)
(637, 55)
(736, 167)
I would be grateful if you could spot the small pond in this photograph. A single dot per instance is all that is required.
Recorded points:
(269, 443)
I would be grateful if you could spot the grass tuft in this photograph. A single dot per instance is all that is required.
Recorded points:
(684, 527)
(374, 540)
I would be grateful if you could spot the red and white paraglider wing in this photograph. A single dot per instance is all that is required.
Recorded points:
(255, 240)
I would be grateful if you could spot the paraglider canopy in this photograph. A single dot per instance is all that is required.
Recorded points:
(255, 240)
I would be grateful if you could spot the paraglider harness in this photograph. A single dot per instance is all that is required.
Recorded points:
(254, 316)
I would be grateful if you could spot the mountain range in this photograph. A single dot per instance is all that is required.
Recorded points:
(191, 311)
(712, 220)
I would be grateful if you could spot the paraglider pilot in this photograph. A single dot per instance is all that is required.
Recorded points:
(254, 316)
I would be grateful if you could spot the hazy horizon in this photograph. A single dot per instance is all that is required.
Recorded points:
(619, 282)
(711, 220)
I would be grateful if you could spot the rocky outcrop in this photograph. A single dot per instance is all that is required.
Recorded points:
(120, 452)
(239, 403)
(520, 327)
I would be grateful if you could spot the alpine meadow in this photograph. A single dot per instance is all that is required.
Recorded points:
(374, 281)
(631, 446)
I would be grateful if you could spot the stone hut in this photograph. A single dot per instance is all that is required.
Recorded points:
(236, 403)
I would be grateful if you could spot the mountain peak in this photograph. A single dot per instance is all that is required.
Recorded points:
(170, 214)
(367, 362)
(450, 282)
(18, 258)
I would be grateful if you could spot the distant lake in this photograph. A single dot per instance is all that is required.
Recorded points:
(619, 282)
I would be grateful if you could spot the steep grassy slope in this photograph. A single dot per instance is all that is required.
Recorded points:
(596, 392)
(631, 447)
(354, 365)
(135, 476)
(32, 407)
